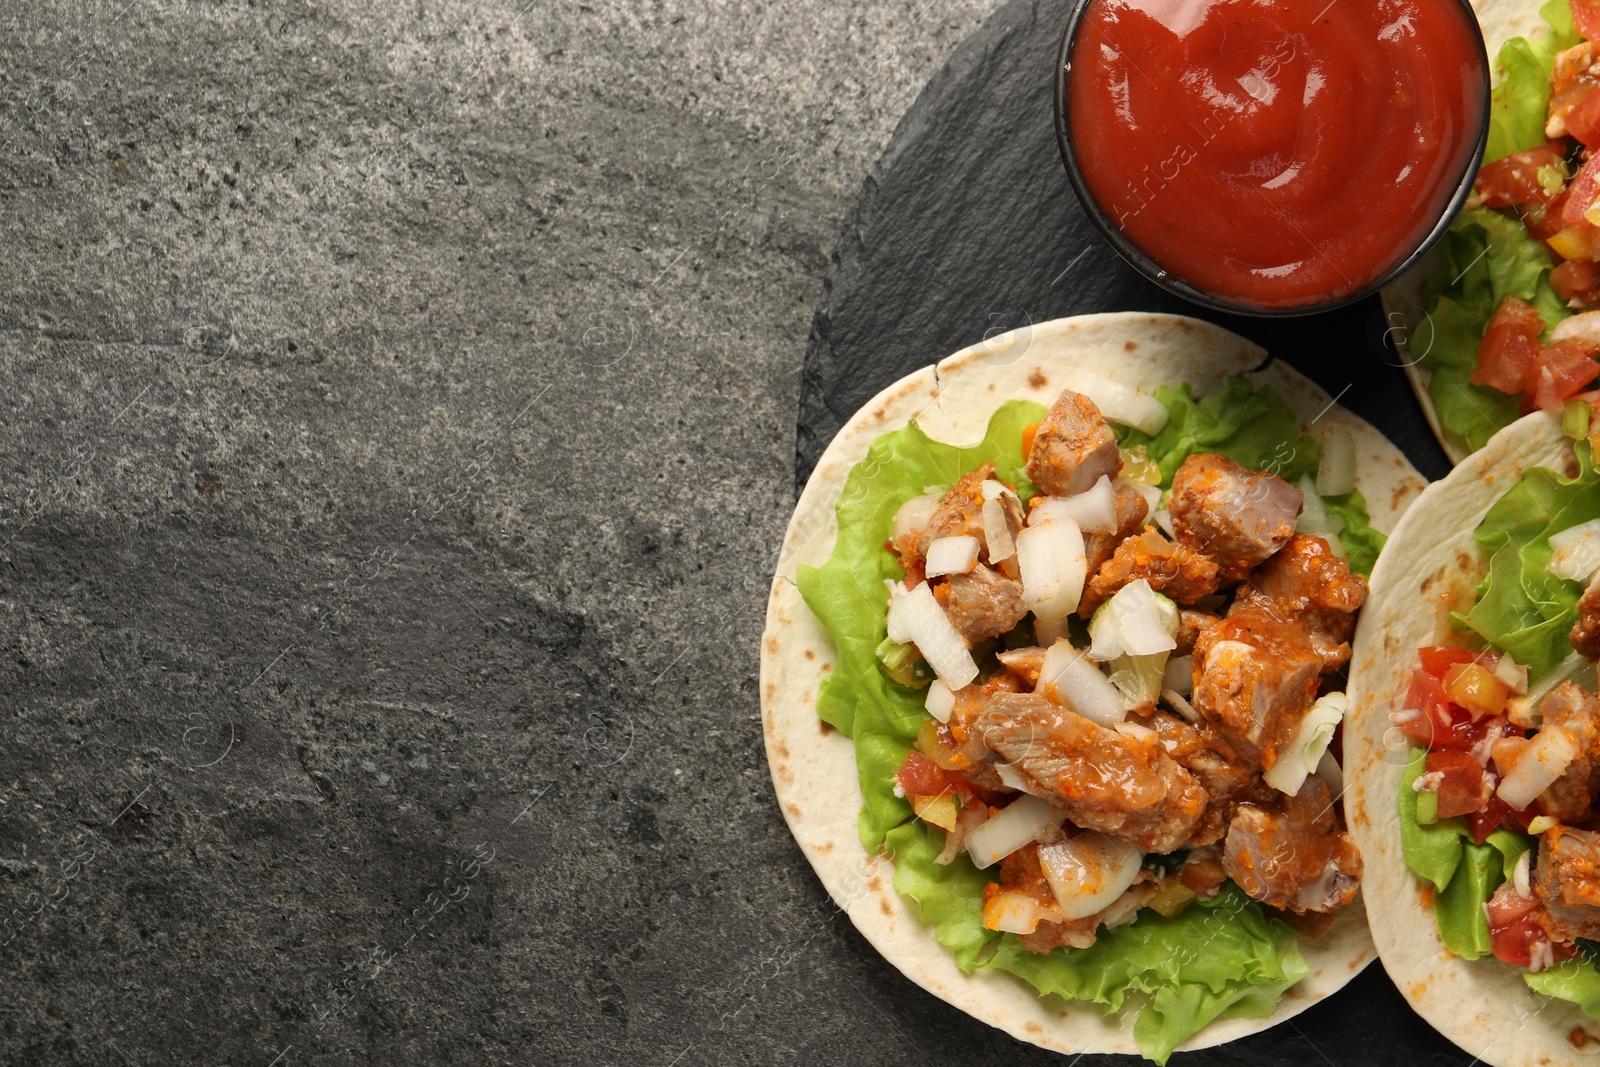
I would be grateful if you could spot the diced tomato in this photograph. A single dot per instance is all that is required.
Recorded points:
(1515, 933)
(1475, 687)
(1515, 179)
(1577, 279)
(1440, 723)
(1496, 814)
(1583, 121)
(1545, 222)
(1562, 370)
(1462, 786)
(1583, 191)
(1438, 659)
(919, 776)
(1432, 720)
(1509, 346)
(1586, 18)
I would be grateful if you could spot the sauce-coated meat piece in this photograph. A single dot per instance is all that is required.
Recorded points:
(983, 603)
(1571, 797)
(1171, 569)
(1254, 677)
(1131, 513)
(1117, 781)
(1567, 882)
(1306, 584)
(1072, 448)
(1293, 854)
(1232, 514)
(1585, 636)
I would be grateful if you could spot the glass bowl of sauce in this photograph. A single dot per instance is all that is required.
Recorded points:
(1272, 157)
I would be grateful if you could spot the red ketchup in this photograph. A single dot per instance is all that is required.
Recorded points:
(1276, 155)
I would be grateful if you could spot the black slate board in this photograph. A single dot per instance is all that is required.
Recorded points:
(969, 228)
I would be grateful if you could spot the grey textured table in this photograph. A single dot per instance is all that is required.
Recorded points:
(399, 420)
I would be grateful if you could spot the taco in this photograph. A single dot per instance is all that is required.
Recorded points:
(1473, 758)
(996, 771)
(1503, 316)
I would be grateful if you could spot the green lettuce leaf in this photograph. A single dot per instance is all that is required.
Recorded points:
(1459, 907)
(1225, 958)
(1521, 608)
(1484, 258)
(1577, 980)
(1520, 101)
(1432, 851)
(1213, 959)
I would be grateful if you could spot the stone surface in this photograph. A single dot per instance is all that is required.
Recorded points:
(399, 405)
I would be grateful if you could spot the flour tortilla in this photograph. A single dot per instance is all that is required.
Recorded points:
(1430, 567)
(1500, 20)
(814, 768)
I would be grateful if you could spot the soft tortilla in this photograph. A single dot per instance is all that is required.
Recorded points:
(814, 768)
(1500, 20)
(1430, 567)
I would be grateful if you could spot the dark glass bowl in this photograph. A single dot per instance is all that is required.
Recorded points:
(1163, 277)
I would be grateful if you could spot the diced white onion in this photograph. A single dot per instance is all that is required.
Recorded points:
(922, 622)
(1337, 474)
(1094, 509)
(1331, 773)
(1088, 872)
(1314, 517)
(1178, 675)
(1541, 762)
(1048, 632)
(1519, 876)
(1541, 823)
(1582, 327)
(896, 633)
(1122, 403)
(1163, 519)
(1053, 566)
(952, 555)
(1575, 552)
(1012, 778)
(1136, 621)
(996, 527)
(1300, 756)
(940, 701)
(1512, 673)
(1025, 819)
(1180, 705)
(915, 514)
(1070, 679)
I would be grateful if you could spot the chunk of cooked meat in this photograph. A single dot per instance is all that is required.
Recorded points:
(1202, 872)
(1567, 882)
(1254, 677)
(1306, 585)
(1131, 513)
(1293, 855)
(1072, 448)
(1172, 569)
(1228, 778)
(1024, 663)
(960, 513)
(1585, 636)
(1192, 625)
(1233, 514)
(1117, 781)
(1571, 797)
(983, 603)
